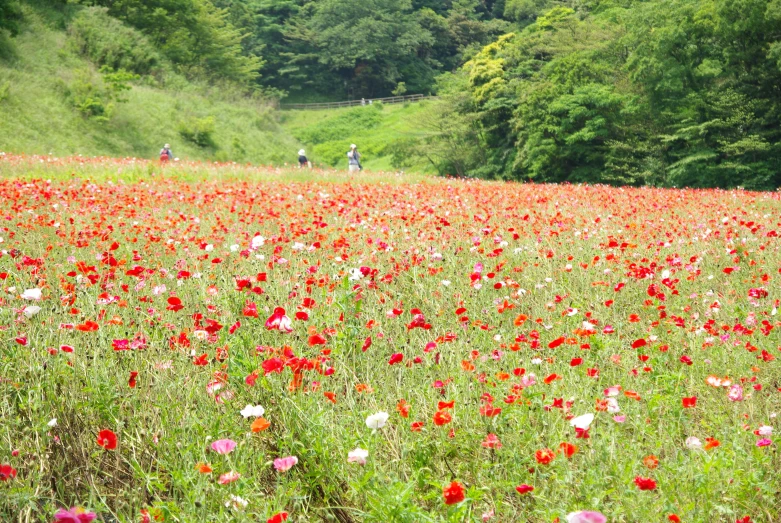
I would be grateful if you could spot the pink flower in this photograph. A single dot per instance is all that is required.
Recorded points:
(492, 442)
(228, 477)
(74, 515)
(619, 419)
(223, 446)
(764, 442)
(586, 516)
(735, 393)
(285, 464)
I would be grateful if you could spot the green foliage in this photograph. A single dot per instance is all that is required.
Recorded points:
(10, 15)
(108, 42)
(199, 131)
(656, 92)
(194, 34)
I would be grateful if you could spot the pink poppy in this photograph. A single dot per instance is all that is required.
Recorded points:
(285, 464)
(74, 515)
(223, 446)
(228, 477)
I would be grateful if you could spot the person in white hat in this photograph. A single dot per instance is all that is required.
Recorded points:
(302, 160)
(354, 159)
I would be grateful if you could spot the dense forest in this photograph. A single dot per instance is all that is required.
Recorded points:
(656, 92)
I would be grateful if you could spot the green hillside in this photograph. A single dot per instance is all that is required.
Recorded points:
(382, 134)
(45, 92)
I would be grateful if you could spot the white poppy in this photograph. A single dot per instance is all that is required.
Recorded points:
(378, 420)
(582, 422)
(253, 412)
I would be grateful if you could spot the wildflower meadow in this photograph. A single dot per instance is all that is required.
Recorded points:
(217, 343)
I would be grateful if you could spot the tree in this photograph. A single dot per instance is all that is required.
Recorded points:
(371, 45)
(194, 34)
(10, 14)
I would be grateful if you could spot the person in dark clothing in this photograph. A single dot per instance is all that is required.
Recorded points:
(302, 160)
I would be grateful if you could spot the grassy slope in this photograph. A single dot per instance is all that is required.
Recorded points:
(36, 117)
(374, 136)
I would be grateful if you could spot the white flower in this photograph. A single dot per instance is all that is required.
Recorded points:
(693, 443)
(765, 430)
(612, 406)
(31, 294)
(446, 283)
(355, 274)
(234, 248)
(237, 502)
(254, 412)
(298, 246)
(436, 256)
(209, 248)
(257, 242)
(52, 423)
(378, 420)
(582, 422)
(31, 310)
(358, 456)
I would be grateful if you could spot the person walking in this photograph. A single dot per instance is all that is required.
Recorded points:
(166, 154)
(354, 159)
(302, 160)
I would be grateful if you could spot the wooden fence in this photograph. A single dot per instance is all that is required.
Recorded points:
(363, 101)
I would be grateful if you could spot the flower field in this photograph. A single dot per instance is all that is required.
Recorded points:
(264, 345)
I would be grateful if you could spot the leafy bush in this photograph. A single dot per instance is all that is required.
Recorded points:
(108, 42)
(198, 131)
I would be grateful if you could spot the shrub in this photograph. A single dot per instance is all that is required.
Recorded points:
(198, 131)
(108, 42)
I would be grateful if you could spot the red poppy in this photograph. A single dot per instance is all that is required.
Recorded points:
(524, 489)
(645, 483)
(442, 418)
(711, 443)
(454, 493)
(568, 449)
(107, 439)
(279, 517)
(689, 403)
(544, 456)
(396, 358)
(555, 343)
(7, 472)
(674, 518)
(131, 382)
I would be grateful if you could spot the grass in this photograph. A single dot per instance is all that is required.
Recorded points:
(376, 129)
(481, 317)
(40, 68)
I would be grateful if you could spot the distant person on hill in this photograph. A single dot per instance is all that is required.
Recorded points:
(302, 160)
(166, 154)
(354, 159)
